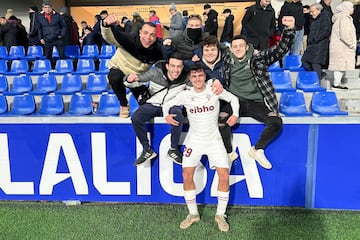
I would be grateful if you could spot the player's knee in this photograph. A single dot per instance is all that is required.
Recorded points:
(275, 123)
(223, 117)
(223, 176)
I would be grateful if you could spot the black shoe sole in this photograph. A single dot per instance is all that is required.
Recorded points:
(151, 158)
(168, 157)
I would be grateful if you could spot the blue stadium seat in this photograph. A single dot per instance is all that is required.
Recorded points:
(293, 104)
(293, 63)
(282, 81)
(71, 84)
(3, 67)
(107, 51)
(23, 105)
(103, 66)
(85, 66)
(35, 52)
(80, 104)
(20, 84)
(4, 87)
(326, 104)
(72, 51)
(308, 81)
(109, 105)
(133, 104)
(96, 84)
(3, 105)
(90, 51)
(63, 66)
(51, 105)
(3, 52)
(41, 66)
(18, 66)
(45, 84)
(16, 52)
(275, 67)
(55, 53)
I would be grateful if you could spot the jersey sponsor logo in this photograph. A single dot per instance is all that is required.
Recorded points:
(202, 109)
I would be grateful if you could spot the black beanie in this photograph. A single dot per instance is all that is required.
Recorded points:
(34, 8)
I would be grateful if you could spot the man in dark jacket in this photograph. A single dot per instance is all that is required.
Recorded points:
(52, 30)
(211, 24)
(228, 30)
(259, 23)
(33, 29)
(317, 49)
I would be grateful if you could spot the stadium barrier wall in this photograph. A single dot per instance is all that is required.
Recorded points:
(315, 163)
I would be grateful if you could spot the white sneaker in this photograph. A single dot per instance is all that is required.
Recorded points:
(260, 157)
(222, 224)
(189, 220)
(232, 156)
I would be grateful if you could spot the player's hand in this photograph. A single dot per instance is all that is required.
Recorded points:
(167, 42)
(111, 19)
(217, 87)
(132, 77)
(288, 21)
(170, 120)
(232, 120)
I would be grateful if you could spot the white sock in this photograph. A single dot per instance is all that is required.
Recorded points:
(190, 199)
(223, 199)
(337, 77)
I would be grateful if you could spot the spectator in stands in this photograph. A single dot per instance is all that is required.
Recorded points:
(88, 38)
(203, 138)
(125, 24)
(307, 21)
(104, 14)
(64, 12)
(294, 8)
(326, 4)
(186, 42)
(317, 49)
(33, 28)
(96, 29)
(2, 24)
(342, 43)
(23, 39)
(135, 53)
(166, 80)
(246, 76)
(175, 22)
(259, 23)
(185, 16)
(228, 30)
(9, 32)
(156, 20)
(9, 13)
(211, 24)
(137, 23)
(83, 26)
(52, 30)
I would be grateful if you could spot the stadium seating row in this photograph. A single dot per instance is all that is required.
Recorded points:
(47, 83)
(71, 52)
(291, 63)
(62, 66)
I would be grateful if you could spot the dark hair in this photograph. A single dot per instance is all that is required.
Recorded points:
(196, 16)
(185, 13)
(227, 10)
(150, 24)
(88, 28)
(207, 6)
(103, 12)
(83, 22)
(210, 40)
(196, 67)
(152, 11)
(237, 37)
(175, 55)
(306, 6)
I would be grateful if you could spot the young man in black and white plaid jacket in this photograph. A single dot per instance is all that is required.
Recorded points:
(246, 75)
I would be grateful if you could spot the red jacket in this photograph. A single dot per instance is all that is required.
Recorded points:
(155, 20)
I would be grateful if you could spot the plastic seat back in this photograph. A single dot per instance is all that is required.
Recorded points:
(21, 84)
(41, 66)
(104, 66)
(275, 67)
(23, 105)
(282, 81)
(109, 105)
(72, 51)
(3, 52)
(293, 63)
(18, 66)
(3, 105)
(326, 104)
(85, 66)
(107, 51)
(3, 67)
(3, 84)
(55, 53)
(16, 52)
(35, 52)
(308, 81)
(133, 104)
(70, 84)
(80, 104)
(96, 84)
(90, 51)
(45, 84)
(63, 66)
(293, 104)
(51, 105)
